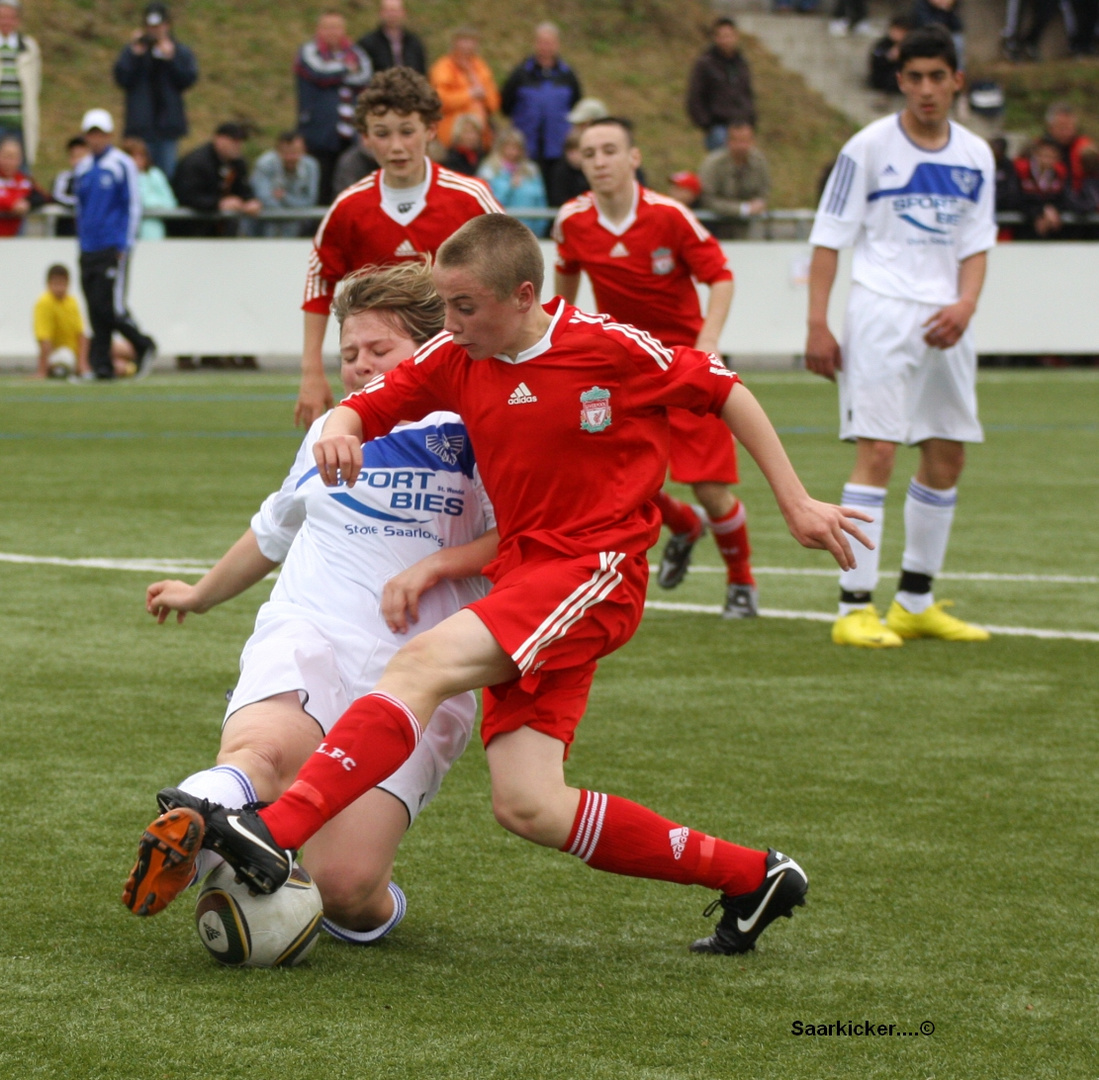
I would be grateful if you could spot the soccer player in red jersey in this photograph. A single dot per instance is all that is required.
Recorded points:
(643, 253)
(568, 412)
(404, 210)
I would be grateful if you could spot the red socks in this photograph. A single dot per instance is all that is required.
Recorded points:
(622, 837)
(677, 515)
(368, 743)
(731, 536)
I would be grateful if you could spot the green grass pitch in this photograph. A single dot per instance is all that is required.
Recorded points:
(943, 799)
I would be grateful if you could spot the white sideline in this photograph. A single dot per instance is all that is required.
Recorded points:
(823, 571)
(187, 566)
(820, 616)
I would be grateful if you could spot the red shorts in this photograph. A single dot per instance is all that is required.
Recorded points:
(702, 449)
(555, 618)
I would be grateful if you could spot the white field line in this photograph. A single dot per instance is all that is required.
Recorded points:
(144, 566)
(823, 571)
(821, 616)
(187, 566)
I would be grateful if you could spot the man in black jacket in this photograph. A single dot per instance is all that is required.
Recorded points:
(214, 177)
(720, 89)
(155, 70)
(390, 44)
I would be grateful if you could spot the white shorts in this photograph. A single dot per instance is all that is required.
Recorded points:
(331, 663)
(897, 388)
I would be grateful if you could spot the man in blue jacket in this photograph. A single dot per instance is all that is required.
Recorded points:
(154, 70)
(108, 212)
(538, 96)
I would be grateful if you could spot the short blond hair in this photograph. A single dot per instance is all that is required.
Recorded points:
(500, 250)
(403, 294)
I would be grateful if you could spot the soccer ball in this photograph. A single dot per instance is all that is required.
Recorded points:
(62, 363)
(242, 930)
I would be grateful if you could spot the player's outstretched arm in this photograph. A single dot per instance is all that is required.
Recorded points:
(339, 450)
(238, 569)
(822, 351)
(401, 595)
(813, 524)
(315, 395)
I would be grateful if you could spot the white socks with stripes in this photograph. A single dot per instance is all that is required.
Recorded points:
(928, 517)
(368, 937)
(225, 784)
(864, 578)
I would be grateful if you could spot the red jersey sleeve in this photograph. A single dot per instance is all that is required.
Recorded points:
(672, 376)
(328, 262)
(568, 260)
(414, 388)
(701, 252)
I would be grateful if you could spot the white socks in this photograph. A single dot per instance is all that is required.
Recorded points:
(225, 784)
(928, 517)
(368, 937)
(864, 578)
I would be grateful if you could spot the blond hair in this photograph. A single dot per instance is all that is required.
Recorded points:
(402, 294)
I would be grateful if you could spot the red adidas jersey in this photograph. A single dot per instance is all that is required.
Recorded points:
(641, 270)
(359, 230)
(571, 438)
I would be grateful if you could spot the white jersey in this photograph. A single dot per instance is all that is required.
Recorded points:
(419, 490)
(912, 214)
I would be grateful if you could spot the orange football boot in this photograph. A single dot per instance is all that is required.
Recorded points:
(165, 861)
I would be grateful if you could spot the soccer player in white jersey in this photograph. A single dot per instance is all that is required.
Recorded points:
(913, 193)
(417, 523)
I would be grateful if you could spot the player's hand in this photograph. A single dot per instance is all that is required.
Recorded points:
(338, 457)
(314, 399)
(822, 353)
(946, 327)
(822, 525)
(164, 597)
(707, 344)
(401, 595)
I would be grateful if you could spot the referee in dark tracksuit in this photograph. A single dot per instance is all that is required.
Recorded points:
(108, 212)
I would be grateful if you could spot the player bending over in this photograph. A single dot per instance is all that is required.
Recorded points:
(643, 253)
(571, 471)
(914, 193)
(420, 513)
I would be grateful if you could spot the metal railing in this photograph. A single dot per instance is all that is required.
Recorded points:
(771, 224)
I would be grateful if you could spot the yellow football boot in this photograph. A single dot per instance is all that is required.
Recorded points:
(863, 627)
(933, 623)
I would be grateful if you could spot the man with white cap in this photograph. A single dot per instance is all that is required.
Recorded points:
(108, 212)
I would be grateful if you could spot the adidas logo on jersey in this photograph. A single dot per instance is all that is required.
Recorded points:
(620, 251)
(405, 251)
(678, 839)
(889, 171)
(521, 395)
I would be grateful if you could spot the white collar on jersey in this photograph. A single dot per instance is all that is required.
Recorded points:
(624, 225)
(390, 208)
(540, 346)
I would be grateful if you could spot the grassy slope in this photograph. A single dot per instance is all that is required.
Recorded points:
(942, 799)
(1031, 88)
(635, 54)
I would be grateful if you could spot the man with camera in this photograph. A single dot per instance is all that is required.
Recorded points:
(154, 70)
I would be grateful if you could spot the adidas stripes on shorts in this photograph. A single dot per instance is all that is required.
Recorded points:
(555, 618)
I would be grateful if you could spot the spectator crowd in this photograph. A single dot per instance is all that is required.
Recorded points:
(521, 138)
